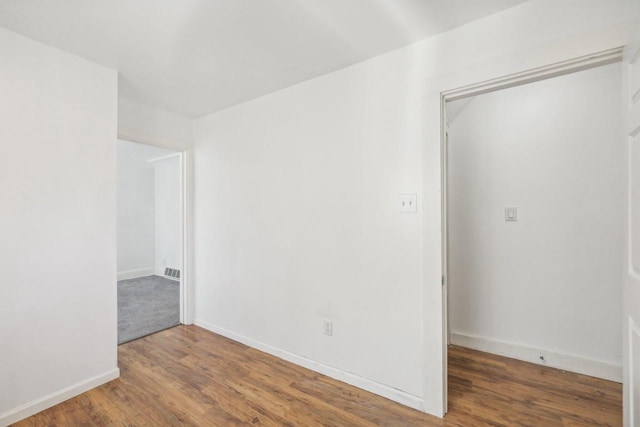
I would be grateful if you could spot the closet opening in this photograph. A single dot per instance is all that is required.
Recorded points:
(534, 197)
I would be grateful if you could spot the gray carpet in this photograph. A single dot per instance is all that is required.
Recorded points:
(147, 305)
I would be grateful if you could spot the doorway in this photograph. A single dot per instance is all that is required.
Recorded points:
(150, 239)
(533, 217)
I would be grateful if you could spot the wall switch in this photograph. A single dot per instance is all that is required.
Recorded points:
(327, 327)
(511, 214)
(407, 203)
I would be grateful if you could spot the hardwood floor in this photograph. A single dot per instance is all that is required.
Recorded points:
(485, 389)
(189, 376)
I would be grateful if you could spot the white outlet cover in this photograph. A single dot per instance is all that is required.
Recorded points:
(408, 203)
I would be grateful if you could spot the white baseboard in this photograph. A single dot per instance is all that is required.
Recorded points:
(567, 362)
(386, 391)
(38, 405)
(134, 274)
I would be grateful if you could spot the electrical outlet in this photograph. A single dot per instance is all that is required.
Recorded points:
(327, 327)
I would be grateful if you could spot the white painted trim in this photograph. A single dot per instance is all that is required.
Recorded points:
(52, 399)
(541, 73)
(383, 390)
(444, 247)
(134, 274)
(633, 329)
(632, 271)
(160, 272)
(187, 296)
(567, 362)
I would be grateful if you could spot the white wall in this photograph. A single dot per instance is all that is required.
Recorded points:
(142, 123)
(167, 213)
(296, 217)
(57, 222)
(149, 210)
(548, 284)
(297, 221)
(136, 212)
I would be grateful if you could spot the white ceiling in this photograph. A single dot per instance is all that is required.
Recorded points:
(194, 57)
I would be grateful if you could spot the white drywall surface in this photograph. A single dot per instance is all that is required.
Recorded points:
(136, 211)
(297, 221)
(167, 213)
(296, 197)
(550, 280)
(149, 209)
(142, 123)
(58, 320)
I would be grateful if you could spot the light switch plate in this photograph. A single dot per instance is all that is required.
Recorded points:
(408, 203)
(511, 214)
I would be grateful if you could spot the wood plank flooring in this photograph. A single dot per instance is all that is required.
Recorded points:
(188, 376)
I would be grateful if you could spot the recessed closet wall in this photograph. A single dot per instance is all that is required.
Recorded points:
(546, 287)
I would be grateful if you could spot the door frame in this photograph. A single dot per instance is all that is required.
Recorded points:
(558, 69)
(186, 184)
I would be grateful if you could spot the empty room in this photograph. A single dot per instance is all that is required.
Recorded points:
(319, 213)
